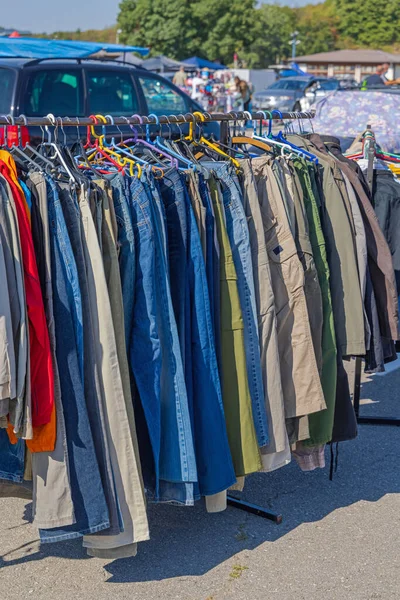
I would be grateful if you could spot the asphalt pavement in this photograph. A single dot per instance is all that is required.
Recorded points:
(339, 540)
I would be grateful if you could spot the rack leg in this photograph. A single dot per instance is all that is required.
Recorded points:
(255, 510)
(395, 421)
(357, 387)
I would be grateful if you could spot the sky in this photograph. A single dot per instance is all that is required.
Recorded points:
(46, 16)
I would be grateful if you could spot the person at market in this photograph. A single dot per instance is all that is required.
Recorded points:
(180, 77)
(244, 90)
(378, 79)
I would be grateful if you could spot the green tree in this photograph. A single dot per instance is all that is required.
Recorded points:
(273, 27)
(233, 32)
(318, 28)
(369, 23)
(166, 26)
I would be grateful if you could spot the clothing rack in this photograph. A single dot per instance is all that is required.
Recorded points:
(370, 143)
(224, 118)
(198, 118)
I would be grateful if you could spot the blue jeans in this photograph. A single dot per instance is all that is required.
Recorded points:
(71, 213)
(212, 266)
(238, 233)
(12, 458)
(90, 506)
(126, 243)
(187, 268)
(155, 354)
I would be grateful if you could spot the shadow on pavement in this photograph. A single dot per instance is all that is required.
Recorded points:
(189, 542)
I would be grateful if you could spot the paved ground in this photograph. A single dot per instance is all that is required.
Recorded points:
(339, 540)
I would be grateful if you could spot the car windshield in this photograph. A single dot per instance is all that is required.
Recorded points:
(7, 81)
(288, 84)
(328, 85)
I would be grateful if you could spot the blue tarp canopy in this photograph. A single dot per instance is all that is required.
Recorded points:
(202, 63)
(39, 48)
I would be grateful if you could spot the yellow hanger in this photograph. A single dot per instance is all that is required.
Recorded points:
(122, 161)
(209, 144)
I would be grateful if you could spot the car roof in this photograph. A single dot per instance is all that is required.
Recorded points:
(20, 63)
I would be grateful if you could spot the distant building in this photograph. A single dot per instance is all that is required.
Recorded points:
(349, 64)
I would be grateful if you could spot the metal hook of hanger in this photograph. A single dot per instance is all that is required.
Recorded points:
(63, 130)
(52, 120)
(25, 121)
(11, 120)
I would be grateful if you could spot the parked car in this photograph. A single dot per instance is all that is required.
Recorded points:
(294, 93)
(84, 87)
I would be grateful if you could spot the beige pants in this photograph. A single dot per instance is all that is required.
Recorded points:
(123, 459)
(302, 391)
(277, 453)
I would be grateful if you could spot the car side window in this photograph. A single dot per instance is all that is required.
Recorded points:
(161, 97)
(56, 91)
(111, 93)
(7, 82)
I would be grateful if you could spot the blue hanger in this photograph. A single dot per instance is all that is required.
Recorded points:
(280, 137)
(159, 144)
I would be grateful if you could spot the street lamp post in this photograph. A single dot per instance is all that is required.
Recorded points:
(293, 42)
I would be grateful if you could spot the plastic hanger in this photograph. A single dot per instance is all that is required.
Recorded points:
(40, 162)
(245, 140)
(202, 141)
(98, 146)
(281, 138)
(122, 161)
(124, 150)
(147, 143)
(160, 145)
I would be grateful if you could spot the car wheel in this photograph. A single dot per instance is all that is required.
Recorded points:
(297, 107)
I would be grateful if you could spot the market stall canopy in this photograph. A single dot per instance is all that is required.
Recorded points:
(202, 63)
(41, 48)
(131, 59)
(346, 114)
(163, 63)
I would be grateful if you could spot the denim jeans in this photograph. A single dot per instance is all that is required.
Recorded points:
(172, 192)
(155, 354)
(11, 458)
(70, 208)
(214, 462)
(238, 233)
(126, 244)
(90, 506)
(212, 265)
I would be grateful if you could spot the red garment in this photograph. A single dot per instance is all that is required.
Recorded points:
(42, 379)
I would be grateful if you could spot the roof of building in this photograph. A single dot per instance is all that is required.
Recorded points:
(351, 57)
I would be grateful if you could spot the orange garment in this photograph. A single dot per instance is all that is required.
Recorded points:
(44, 436)
(42, 380)
(12, 171)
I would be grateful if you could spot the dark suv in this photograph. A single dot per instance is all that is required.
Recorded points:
(80, 87)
